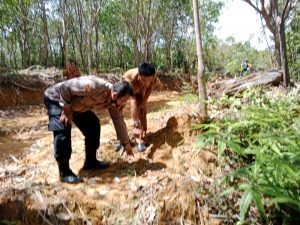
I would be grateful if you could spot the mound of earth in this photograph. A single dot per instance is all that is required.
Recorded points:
(26, 87)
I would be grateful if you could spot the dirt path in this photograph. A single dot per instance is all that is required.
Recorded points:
(154, 187)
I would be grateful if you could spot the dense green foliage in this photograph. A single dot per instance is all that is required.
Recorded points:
(114, 35)
(111, 33)
(263, 131)
(293, 45)
(230, 54)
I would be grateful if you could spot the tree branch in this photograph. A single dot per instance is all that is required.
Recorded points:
(286, 10)
(271, 7)
(252, 5)
(268, 17)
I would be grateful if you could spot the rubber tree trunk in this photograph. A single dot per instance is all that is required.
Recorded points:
(280, 29)
(201, 65)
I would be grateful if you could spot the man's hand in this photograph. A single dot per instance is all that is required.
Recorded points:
(66, 116)
(121, 108)
(139, 134)
(128, 149)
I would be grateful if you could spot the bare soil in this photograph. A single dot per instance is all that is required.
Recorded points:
(158, 186)
(172, 182)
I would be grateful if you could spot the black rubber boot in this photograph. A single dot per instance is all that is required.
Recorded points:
(66, 175)
(95, 165)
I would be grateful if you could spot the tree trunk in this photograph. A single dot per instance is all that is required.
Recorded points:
(148, 34)
(169, 55)
(45, 34)
(14, 52)
(26, 52)
(169, 46)
(284, 62)
(24, 11)
(78, 35)
(122, 61)
(64, 34)
(232, 86)
(97, 43)
(90, 52)
(10, 52)
(280, 29)
(2, 55)
(135, 39)
(275, 21)
(131, 20)
(90, 21)
(201, 66)
(277, 49)
(24, 44)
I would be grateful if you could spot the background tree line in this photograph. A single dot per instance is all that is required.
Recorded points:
(106, 35)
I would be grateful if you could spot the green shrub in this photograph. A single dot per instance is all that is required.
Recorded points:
(265, 136)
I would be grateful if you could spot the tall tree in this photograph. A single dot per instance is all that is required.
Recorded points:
(76, 13)
(131, 18)
(90, 14)
(201, 65)
(293, 44)
(21, 14)
(115, 35)
(146, 27)
(168, 25)
(121, 32)
(44, 24)
(210, 11)
(65, 33)
(275, 17)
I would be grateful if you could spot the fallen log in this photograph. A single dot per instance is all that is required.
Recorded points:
(237, 85)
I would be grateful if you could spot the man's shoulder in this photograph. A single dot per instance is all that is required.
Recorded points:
(94, 81)
(130, 74)
(99, 81)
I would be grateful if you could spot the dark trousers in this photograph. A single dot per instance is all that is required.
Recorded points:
(87, 122)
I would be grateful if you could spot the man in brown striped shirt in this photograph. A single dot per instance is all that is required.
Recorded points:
(142, 80)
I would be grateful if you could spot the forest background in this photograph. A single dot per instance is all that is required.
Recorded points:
(115, 35)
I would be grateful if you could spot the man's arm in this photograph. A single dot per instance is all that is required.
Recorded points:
(121, 129)
(149, 91)
(119, 124)
(147, 94)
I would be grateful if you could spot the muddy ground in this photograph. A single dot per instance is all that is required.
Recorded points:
(169, 183)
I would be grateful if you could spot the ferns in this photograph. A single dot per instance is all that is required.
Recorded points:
(267, 131)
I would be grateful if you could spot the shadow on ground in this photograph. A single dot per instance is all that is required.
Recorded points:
(123, 169)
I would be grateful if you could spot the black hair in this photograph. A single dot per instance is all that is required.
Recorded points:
(73, 61)
(123, 88)
(146, 69)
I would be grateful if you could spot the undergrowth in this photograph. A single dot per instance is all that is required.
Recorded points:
(263, 142)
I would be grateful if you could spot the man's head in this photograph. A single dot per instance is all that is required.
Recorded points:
(121, 92)
(146, 73)
(146, 69)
